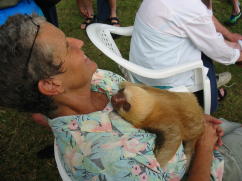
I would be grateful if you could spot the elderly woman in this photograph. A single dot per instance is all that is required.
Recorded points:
(44, 71)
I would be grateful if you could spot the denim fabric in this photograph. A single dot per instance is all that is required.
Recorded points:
(207, 62)
(232, 151)
(50, 14)
(103, 11)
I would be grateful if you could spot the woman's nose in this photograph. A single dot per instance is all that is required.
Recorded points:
(76, 42)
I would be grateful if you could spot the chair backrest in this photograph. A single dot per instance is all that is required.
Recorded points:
(100, 35)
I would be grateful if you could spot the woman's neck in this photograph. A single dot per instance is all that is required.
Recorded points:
(80, 102)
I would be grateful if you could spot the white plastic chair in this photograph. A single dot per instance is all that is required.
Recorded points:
(60, 167)
(100, 35)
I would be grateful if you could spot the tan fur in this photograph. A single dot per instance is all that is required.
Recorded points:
(177, 115)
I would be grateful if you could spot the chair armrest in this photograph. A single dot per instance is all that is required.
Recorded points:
(125, 31)
(95, 27)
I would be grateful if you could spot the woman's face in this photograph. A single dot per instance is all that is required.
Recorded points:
(77, 67)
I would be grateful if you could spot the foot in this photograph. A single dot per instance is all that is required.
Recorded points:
(233, 19)
(221, 94)
(114, 21)
(88, 21)
(223, 78)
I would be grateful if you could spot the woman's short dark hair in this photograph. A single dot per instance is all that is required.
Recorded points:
(16, 90)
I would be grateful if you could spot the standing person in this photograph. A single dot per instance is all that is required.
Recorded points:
(107, 12)
(170, 33)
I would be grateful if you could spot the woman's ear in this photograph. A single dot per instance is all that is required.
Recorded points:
(50, 87)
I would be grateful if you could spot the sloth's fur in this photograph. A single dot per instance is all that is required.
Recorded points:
(174, 117)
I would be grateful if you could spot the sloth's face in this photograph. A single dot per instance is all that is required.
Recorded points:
(133, 103)
(119, 101)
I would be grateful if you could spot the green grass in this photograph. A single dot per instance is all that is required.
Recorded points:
(21, 138)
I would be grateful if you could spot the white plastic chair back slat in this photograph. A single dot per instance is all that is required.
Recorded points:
(109, 42)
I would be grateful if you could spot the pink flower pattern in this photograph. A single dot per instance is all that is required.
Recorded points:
(136, 170)
(143, 177)
(103, 127)
(153, 164)
(73, 125)
(130, 145)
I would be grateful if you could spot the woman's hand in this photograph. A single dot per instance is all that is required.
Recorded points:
(200, 168)
(216, 124)
(208, 141)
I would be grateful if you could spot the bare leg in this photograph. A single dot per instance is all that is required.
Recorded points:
(113, 13)
(231, 150)
(236, 9)
(85, 7)
(235, 15)
(86, 10)
(113, 8)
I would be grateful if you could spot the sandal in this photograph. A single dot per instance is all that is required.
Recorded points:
(233, 19)
(222, 93)
(88, 21)
(114, 21)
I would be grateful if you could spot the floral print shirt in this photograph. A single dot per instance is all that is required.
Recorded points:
(101, 146)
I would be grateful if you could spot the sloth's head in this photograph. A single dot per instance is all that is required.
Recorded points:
(133, 103)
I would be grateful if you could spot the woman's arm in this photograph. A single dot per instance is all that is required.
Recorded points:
(233, 37)
(201, 164)
(40, 119)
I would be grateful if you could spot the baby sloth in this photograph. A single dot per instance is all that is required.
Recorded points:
(174, 117)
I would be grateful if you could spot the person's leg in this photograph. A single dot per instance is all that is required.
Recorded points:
(236, 8)
(49, 11)
(85, 7)
(207, 62)
(103, 11)
(229, 126)
(51, 14)
(114, 20)
(236, 14)
(86, 10)
(112, 4)
(231, 150)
